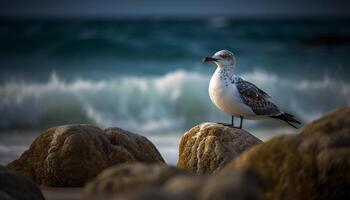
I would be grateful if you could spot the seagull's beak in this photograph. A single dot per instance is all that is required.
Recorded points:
(209, 59)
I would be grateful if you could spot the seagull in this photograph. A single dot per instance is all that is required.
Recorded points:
(238, 97)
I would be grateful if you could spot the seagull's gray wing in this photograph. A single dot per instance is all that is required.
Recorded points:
(256, 99)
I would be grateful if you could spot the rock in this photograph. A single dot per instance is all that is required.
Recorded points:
(14, 186)
(185, 187)
(127, 178)
(71, 155)
(207, 147)
(239, 184)
(138, 147)
(337, 121)
(150, 193)
(314, 164)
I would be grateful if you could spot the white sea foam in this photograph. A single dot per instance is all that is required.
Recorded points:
(174, 101)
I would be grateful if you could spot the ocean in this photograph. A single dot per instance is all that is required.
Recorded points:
(146, 76)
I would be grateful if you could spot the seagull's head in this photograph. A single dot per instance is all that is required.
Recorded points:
(223, 58)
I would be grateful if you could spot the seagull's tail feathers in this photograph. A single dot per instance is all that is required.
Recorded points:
(288, 118)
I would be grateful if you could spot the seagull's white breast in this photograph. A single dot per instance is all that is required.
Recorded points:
(224, 94)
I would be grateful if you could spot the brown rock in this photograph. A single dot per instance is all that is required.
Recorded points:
(337, 121)
(138, 147)
(184, 183)
(239, 184)
(186, 186)
(151, 193)
(207, 147)
(314, 164)
(127, 178)
(71, 155)
(14, 186)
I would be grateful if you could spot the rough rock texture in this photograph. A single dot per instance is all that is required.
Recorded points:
(71, 155)
(14, 186)
(127, 178)
(136, 147)
(239, 184)
(337, 122)
(314, 164)
(207, 147)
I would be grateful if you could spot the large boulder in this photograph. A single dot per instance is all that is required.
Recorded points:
(314, 164)
(208, 147)
(127, 178)
(14, 186)
(71, 155)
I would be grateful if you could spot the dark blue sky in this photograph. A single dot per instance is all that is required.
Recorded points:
(174, 8)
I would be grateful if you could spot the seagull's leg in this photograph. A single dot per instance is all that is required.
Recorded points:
(232, 125)
(241, 124)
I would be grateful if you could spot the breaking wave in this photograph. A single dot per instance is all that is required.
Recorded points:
(172, 102)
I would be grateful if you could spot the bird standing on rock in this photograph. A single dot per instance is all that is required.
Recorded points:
(238, 97)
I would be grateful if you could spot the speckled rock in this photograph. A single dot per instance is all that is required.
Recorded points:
(14, 186)
(127, 178)
(71, 155)
(207, 147)
(314, 164)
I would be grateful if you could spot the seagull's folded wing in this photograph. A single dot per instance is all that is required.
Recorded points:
(256, 99)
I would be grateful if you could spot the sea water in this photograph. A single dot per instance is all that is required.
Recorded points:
(147, 76)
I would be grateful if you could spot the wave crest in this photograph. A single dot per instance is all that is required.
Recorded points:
(174, 101)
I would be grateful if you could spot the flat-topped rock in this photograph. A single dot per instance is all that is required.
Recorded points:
(207, 147)
(71, 155)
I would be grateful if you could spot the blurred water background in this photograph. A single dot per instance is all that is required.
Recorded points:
(147, 76)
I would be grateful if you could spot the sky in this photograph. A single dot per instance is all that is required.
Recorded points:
(174, 8)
